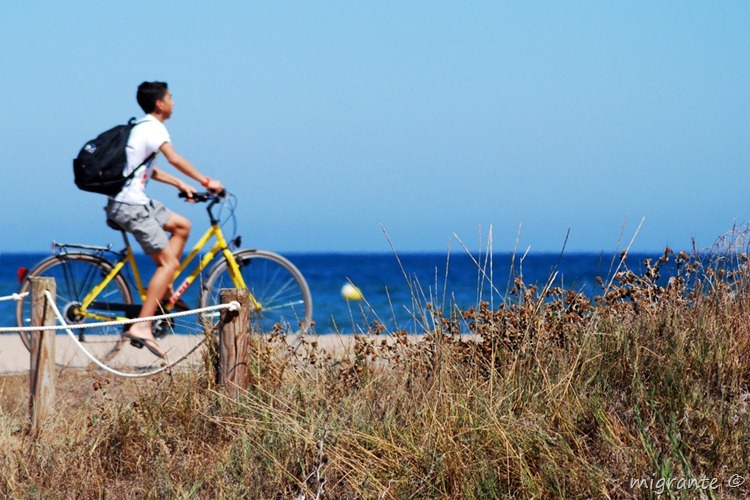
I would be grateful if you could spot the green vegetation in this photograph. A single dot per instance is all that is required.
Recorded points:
(551, 395)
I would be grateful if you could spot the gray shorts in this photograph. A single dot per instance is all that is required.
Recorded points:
(145, 222)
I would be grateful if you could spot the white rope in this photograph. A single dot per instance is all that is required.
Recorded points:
(234, 306)
(15, 296)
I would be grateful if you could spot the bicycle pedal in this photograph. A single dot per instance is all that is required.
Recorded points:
(137, 344)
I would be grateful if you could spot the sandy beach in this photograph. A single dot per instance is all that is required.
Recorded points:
(15, 358)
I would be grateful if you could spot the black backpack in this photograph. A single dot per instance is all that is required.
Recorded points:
(101, 162)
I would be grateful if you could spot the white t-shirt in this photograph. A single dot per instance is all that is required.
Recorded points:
(145, 139)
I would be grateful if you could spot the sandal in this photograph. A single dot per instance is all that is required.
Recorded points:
(139, 342)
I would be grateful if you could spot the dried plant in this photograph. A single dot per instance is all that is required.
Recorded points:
(543, 392)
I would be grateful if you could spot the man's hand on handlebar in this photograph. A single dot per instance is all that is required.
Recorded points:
(203, 196)
(191, 194)
(214, 186)
(186, 191)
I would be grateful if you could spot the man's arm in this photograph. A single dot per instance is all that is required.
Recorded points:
(162, 176)
(186, 168)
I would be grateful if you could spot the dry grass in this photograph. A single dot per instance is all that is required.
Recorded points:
(554, 396)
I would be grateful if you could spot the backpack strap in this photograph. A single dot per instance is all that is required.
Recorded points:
(148, 159)
(132, 122)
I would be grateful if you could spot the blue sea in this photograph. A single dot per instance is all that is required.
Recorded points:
(396, 288)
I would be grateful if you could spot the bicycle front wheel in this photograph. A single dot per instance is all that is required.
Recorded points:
(276, 285)
(75, 274)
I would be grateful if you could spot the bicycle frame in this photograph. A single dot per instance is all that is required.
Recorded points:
(128, 258)
(219, 246)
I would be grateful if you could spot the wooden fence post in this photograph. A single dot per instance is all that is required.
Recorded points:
(42, 374)
(234, 342)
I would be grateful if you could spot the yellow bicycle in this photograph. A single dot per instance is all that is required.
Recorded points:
(92, 288)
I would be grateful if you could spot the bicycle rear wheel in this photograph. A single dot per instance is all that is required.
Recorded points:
(75, 275)
(275, 283)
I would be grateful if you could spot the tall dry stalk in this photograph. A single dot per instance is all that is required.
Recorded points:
(552, 395)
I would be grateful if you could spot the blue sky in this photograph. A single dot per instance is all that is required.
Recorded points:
(333, 120)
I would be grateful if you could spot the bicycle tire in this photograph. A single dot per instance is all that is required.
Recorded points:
(274, 282)
(75, 274)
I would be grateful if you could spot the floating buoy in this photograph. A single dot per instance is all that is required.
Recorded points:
(351, 292)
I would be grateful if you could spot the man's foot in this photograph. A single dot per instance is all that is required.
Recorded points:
(139, 340)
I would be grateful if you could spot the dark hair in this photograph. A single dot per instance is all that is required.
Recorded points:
(149, 93)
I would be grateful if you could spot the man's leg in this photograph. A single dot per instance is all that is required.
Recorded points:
(167, 263)
(179, 227)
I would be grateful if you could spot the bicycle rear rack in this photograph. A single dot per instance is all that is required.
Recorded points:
(64, 246)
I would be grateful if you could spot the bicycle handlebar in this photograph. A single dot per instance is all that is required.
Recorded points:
(213, 200)
(205, 196)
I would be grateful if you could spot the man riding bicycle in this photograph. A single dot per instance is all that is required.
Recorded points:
(148, 220)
